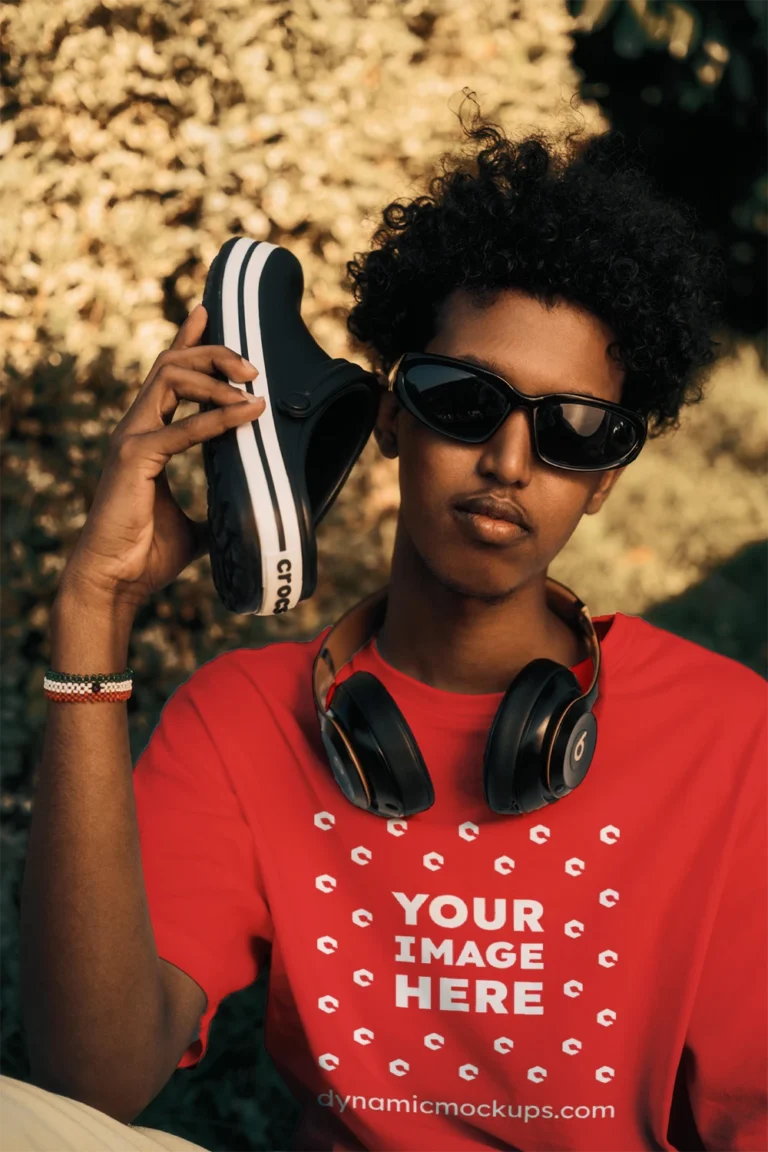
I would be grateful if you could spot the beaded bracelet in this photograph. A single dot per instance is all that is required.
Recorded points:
(71, 688)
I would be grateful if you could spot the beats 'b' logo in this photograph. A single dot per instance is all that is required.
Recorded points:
(284, 591)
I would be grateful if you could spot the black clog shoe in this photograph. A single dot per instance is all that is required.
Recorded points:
(271, 482)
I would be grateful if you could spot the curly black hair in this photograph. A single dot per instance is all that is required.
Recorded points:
(580, 222)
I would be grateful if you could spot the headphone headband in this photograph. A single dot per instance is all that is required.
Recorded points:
(356, 627)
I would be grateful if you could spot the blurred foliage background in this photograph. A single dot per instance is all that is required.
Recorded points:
(687, 83)
(136, 137)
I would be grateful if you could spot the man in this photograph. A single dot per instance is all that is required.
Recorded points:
(583, 971)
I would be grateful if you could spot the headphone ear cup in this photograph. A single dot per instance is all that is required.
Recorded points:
(397, 776)
(516, 749)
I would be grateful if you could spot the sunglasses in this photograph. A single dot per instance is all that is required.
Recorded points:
(470, 404)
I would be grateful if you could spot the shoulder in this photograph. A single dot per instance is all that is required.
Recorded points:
(687, 670)
(277, 672)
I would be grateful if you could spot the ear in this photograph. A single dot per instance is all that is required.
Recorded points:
(604, 487)
(385, 429)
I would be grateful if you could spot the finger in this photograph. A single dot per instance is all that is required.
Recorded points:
(188, 335)
(212, 358)
(192, 329)
(157, 402)
(183, 434)
(158, 399)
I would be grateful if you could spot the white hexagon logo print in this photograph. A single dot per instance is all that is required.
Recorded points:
(503, 865)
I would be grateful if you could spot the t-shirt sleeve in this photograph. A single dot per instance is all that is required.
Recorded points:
(727, 1039)
(206, 901)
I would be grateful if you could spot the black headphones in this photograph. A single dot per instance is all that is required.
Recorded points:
(539, 748)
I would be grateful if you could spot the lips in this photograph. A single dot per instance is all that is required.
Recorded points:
(494, 509)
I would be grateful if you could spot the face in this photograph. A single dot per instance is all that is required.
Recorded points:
(539, 350)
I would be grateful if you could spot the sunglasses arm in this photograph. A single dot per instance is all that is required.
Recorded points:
(392, 376)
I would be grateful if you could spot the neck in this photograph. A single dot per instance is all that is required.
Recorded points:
(458, 643)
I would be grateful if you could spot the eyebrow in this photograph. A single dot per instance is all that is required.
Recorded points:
(489, 365)
(499, 370)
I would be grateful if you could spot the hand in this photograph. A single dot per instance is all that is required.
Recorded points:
(137, 539)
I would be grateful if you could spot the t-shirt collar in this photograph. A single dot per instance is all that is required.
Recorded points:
(474, 707)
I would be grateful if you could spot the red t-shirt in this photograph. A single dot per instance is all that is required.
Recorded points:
(590, 976)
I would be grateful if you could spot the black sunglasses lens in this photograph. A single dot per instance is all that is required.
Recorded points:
(584, 435)
(454, 401)
(457, 403)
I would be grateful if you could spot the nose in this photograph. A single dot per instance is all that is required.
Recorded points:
(509, 454)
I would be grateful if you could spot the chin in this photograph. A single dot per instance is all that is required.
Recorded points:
(474, 584)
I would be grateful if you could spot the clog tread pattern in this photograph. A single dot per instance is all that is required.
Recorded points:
(236, 570)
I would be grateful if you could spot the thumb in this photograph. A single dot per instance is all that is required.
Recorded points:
(188, 537)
